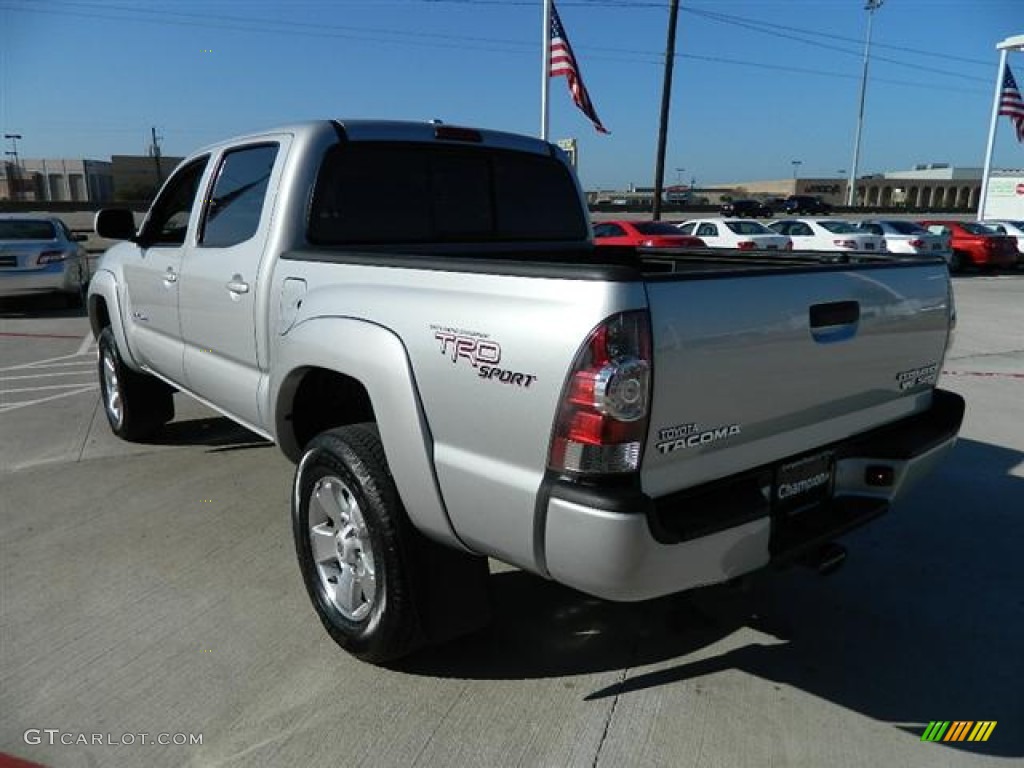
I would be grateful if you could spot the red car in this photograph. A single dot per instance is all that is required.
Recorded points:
(974, 244)
(646, 234)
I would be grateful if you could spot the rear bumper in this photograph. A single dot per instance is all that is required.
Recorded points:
(58, 277)
(623, 545)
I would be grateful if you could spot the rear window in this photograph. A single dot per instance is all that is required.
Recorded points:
(26, 229)
(748, 228)
(907, 228)
(656, 228)
(838, 227)
(975, 228)
(382, 193)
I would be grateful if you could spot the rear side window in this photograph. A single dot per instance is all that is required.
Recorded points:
(236, 204)
(26, 229)
(382, 193)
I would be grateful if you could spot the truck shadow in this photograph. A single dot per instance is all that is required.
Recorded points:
(219, 433)
(925, 622)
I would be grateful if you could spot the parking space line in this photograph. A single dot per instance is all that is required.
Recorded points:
(8, 407)
(45, 375)
(37, 389)
(84, 346)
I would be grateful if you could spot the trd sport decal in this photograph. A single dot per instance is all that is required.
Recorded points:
(481, 353)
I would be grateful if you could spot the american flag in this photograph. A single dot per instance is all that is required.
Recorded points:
(1010, 103)
(563, 62)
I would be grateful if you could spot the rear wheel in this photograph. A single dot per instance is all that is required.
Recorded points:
(136, 405)
(371, 576)
(956, 262)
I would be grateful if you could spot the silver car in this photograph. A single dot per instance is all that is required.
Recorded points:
(909, 237)
(40, 255)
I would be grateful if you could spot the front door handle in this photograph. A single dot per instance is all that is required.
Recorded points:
(170, 276)
(237, 285)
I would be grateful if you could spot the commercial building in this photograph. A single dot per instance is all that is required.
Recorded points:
(138, 177)
(930, 186)
(57, 180)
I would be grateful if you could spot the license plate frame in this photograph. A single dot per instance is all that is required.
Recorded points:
(799, 484)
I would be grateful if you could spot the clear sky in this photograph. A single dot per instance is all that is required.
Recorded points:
(758, 83)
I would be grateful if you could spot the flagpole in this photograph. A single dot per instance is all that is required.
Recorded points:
(545, 75)
(992, 133)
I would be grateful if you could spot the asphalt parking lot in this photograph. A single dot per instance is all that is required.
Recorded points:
(152, 589)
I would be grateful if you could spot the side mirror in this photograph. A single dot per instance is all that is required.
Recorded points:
(115, 224)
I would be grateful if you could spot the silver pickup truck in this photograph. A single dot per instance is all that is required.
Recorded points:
(417, 316)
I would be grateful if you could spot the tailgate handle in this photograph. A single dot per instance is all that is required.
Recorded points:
(835, 321)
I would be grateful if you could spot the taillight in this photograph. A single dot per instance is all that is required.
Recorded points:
(48, 257)
(844, 243)
(789, 245)
(647, 243)
(602, 418)
(917, 243)
(746, 245)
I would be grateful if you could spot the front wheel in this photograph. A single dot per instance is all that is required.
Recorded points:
(136, 405)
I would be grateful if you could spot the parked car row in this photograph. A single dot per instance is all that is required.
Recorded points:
(961, 244)
(794, 205)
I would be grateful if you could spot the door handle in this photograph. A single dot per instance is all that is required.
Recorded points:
(170, 276)
(237, 285)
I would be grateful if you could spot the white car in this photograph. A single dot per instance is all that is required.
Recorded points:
(1011, 227)
(741, 234)
(827, 235)
(908, 237)
(40, 255)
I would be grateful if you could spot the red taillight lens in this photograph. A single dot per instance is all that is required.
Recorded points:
(789, 245)
(917, 243)
(48, 257)
(746, 245)
(844, 243)
(602, 419)
(647, 243)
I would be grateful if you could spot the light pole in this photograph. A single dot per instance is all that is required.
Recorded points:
(17, 170)
(796, 168)
(679, 176)
(851, 186)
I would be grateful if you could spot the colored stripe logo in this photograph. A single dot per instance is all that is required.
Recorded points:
(959, 730)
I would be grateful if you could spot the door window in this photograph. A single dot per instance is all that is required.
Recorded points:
(168, 221)
(234, 209)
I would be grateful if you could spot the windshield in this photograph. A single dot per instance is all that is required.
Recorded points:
(656, 228)
(26, 229)
(749, 228)
(838, 227)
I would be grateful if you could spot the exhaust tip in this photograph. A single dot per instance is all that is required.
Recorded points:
(827, 559)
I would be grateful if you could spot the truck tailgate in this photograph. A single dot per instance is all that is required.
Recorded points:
(750, 369)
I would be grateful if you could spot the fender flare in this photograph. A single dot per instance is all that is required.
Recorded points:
(104, 284)
(376, 357)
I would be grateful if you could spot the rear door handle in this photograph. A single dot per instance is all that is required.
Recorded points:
(237, 285)
(170, 276)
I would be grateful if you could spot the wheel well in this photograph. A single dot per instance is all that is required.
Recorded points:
(325, 399)
(99, 315)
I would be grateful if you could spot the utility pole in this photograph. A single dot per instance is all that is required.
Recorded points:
(851, 187)
(154, 150)
(14, 183)
(666, 98)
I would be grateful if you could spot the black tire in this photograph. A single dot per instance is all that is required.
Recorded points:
(956, 262)
(348, 463)
(142, 404)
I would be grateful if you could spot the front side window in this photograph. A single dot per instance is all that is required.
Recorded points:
(168, 220)
(748, 228)
(236, 203)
